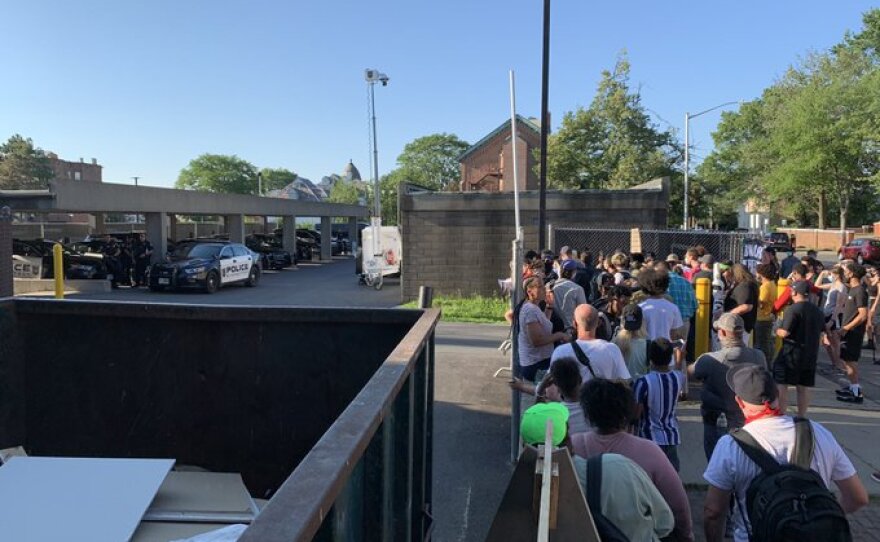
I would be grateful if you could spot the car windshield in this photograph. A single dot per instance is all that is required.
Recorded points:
(196, 250)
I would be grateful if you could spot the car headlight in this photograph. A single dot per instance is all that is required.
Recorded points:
(194, 270)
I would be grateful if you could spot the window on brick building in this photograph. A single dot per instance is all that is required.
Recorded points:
(77, 176)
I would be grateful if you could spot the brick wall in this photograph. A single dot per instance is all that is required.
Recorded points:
(813, 239)
(460, 244)
(487, 159)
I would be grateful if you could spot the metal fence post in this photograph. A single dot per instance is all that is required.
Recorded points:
(551, 239)
(426, 297)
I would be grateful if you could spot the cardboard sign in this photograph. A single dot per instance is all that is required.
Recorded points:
(635, 241)
(26, 267)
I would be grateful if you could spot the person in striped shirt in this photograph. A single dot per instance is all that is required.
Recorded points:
(656, 396)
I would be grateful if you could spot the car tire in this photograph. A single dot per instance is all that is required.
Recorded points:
(860, 260)
(253, 277)
(212, 282)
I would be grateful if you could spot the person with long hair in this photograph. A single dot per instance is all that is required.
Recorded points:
(764, 339)
(742, 297)
(632, 340)
(835, 298)
(535, 337)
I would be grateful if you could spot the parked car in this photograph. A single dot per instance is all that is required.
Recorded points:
(270, 250)
(76, 266)
(863, 250)
(206, 264)
(778, 241)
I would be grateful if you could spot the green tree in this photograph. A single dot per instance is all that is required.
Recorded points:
(613, 143)
(22, 165)
(345, 192)
(432, 161)
(219, 173)
(276, 179)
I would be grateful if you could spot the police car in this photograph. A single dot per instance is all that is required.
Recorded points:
(207, 265)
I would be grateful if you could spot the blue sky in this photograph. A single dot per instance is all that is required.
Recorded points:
(144, 87)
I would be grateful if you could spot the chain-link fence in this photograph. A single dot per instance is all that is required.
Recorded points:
(722, 245)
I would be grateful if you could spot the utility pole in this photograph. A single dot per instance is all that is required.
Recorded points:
(135, 180)
(545, 127)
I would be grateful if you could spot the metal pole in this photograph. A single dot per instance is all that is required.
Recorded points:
(376, 193)
(515, 296)
(259, 183)
(135, 180)
(513, 145)
(687, 120)
(545, 83)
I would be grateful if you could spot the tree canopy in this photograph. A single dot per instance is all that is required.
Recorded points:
(432, 161)
(22, 165)
(219, 173)
(276, 178)
(611, 144)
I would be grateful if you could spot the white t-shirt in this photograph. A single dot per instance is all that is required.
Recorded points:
(605, 358)
(660, 317)
(730, 469)
(530, 354)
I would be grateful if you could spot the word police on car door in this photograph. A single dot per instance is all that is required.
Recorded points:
(235, 264)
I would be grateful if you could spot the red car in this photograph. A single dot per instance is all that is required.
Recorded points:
(861, 250)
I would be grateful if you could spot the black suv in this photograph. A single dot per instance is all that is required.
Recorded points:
(269, 247)
(206, 264)
(76, 265)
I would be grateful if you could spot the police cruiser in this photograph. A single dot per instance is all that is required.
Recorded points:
(205, 264)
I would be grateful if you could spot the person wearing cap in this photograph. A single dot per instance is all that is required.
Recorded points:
(718, 408)
(633, 341)
(801, 332)
(706, 263)
(566, 294)
(610, 409)
(852, 332)
(730, 471)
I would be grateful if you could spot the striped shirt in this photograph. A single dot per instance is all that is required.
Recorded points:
(658, 394)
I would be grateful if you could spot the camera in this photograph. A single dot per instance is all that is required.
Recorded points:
(373, 76)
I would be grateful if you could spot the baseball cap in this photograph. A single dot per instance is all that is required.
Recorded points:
(565, 250)
(726, 264)
(707, 259)
(631, 317)
(533, 427)
(729, 322)
(673, 257)
(752, 383)
(800, 287)
(569, 264)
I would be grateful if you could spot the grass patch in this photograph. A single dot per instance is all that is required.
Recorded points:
(477, 309)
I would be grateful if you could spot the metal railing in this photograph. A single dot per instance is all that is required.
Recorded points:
(369, 476)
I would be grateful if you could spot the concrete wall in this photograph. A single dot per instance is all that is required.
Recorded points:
(460, 244)
(231, 389)
(813, 239)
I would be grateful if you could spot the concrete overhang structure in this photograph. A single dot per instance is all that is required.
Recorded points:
(157, 204)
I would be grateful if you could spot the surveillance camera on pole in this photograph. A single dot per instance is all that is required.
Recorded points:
(373, 272)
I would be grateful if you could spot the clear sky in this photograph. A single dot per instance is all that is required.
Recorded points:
(144, 87)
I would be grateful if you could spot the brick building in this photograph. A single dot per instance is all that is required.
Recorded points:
(74, 171)
(487, 166)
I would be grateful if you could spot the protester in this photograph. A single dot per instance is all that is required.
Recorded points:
(718, 408)
(835, 299)
(662, 317)
(656, 396)
(852, 333)
(706, 263)
(609, 407)
(534, 337)
(610, 309)
(566, 294)
(731, 471)
(742, 297)
(873, 325)
(562, 384)
(788, 264)
(801, 331)
(764, 339)
(768, 257)
(682, 294)
(691, 264)
(597, 357)
(798, 272)
(633, 341)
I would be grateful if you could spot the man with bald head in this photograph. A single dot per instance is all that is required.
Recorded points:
(597, 358)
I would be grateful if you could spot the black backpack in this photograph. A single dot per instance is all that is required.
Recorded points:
(608, 531)
(790, 502)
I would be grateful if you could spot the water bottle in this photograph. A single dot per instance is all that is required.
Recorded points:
(721, 422)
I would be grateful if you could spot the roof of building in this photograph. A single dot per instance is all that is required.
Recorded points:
(351, 173)
(528, 123)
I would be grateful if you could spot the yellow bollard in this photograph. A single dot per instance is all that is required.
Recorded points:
(781, 285)
(58, 261)
(703, 316)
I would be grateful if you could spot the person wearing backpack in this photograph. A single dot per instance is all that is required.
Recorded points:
(779, 470)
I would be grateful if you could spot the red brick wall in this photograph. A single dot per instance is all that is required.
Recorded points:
(818, 239)
(487, 159)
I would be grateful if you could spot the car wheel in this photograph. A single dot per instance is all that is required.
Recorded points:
(860, 260)
(212, 282)
(253, 278)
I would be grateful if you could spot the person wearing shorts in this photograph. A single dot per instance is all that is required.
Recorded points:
(801, 330)
(852, 333)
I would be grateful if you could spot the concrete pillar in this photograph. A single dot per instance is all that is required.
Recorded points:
(288, 237)
(99, 223)
(265, 224)
(234, 227)
(157, 234)
(6, 282)
(172, 226)
(326, 238)
(353, 233)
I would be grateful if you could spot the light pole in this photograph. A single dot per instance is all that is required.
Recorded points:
(687, 145)
(135, 180)
(372, 77)
(259, 183)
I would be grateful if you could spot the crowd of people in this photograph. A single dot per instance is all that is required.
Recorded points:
(605, 343)
(127, 260)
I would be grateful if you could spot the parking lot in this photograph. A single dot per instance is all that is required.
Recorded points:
(326, 284)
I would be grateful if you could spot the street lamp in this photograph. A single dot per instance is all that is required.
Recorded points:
(687, 144)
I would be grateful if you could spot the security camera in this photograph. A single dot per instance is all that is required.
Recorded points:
(383, 79)
(373, 76)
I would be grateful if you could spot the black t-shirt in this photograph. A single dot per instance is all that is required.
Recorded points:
(856, 299)
(805, 322)
(744, 293)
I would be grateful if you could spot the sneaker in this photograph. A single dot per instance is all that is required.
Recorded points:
(851, 398)
(844, 391)
(875, 476)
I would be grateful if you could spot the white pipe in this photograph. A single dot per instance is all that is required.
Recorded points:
(513, 146)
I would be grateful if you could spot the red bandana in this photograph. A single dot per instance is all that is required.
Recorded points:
(766, 413)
